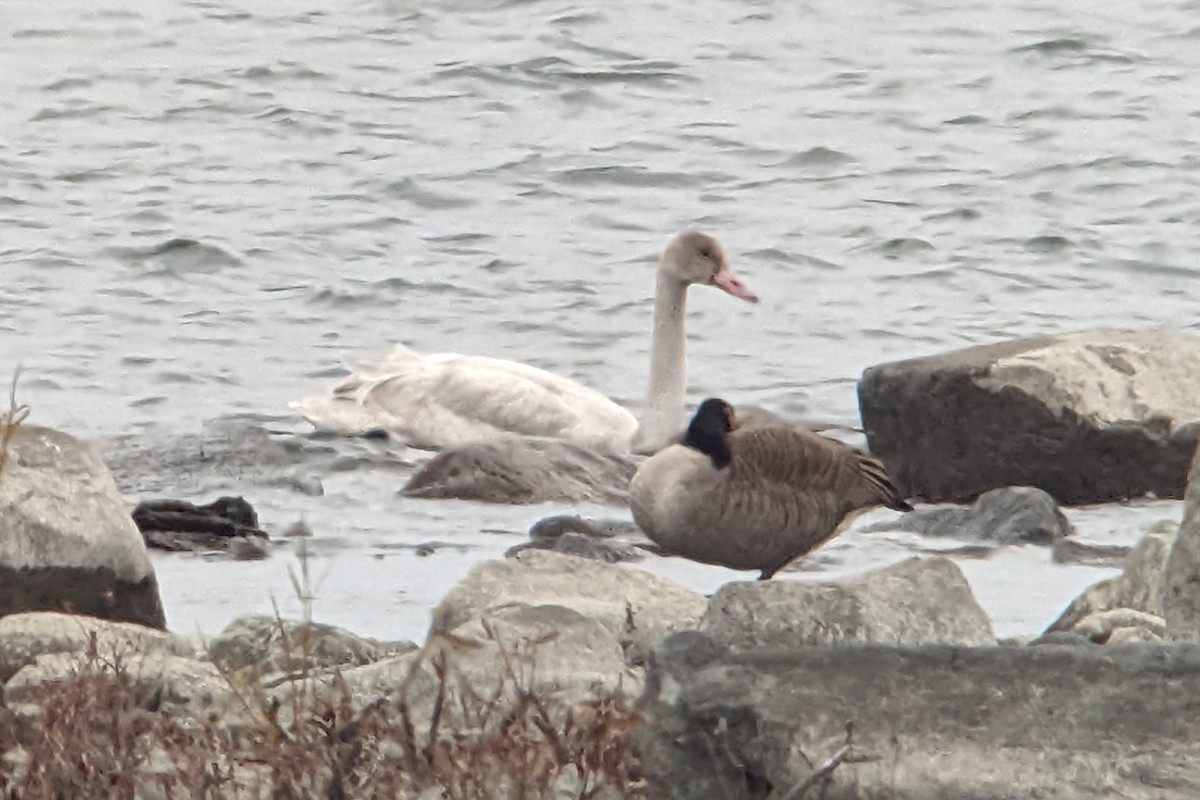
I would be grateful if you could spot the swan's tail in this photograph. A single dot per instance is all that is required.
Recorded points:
(346, 410)
(400, 359)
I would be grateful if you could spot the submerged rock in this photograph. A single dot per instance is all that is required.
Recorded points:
(1011, 515)
(1089, 417)
(66, 539)
(611, 541)
(230, 454)
(918, 601)
(182, 526)
(921, 723)
(1071, 551)
(515, 469)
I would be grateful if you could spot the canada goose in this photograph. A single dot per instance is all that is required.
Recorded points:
(442, 399)
(755, 496)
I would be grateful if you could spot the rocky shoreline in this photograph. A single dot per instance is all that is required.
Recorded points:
(564, 670)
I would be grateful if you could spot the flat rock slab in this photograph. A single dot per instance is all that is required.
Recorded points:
(936, 722)
(1089, 417)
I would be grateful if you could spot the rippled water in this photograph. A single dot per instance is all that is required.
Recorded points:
(205, 205)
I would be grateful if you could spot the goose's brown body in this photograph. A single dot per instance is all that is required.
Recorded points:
(783, 492)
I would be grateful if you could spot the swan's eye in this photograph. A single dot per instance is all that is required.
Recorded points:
(704, 251)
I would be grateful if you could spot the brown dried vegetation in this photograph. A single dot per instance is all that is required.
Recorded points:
(96, 735)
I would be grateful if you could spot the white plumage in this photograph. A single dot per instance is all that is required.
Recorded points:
(445, 399)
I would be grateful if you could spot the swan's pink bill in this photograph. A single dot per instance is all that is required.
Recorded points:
(730, 283)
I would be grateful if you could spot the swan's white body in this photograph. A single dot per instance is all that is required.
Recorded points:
(445, 399)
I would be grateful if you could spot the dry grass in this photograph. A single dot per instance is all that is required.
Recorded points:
(95, 736)
(99, 734)
(10, 420)
(91, 735)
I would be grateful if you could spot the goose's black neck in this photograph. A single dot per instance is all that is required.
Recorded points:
(708, 432)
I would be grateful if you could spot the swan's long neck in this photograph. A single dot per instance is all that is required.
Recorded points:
(668, 366)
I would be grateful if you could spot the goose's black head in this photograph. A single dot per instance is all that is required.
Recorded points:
(709, 430)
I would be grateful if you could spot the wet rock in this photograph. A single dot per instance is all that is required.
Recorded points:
(549, 528)
(517, 470)
(578, 544)
(66, 539)
(268, 644)
(610, 541)
(228, 455)
(1072, 551)
(1181, 591)
(244, 548)
(637, 608)
(178, 525)
(918, 601)
(1011, 515)
(924, 723)
(25, 637)
(1139, 588)
(1089, 417)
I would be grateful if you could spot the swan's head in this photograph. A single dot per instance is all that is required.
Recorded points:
(709, 430)
(694, 257)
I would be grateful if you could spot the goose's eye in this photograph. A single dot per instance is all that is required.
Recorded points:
(704, 251)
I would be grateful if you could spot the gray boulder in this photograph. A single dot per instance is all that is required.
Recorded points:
(26, 637)
(921, 723)
(523, 469)
(570, 654)
(1181, 593)
(271, 645)
(1011, 515)
(637, 608)
(554, 650)
(1134, 599)
(67, 542)
(918, 601)
(180, 685)
(485, 670)
(1089, 417)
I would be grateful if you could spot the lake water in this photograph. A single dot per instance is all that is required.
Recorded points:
(206, 205)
